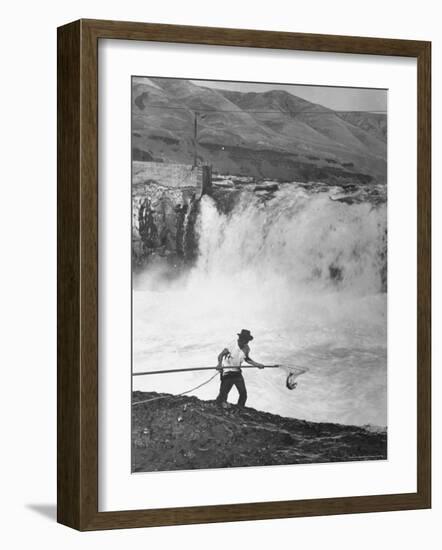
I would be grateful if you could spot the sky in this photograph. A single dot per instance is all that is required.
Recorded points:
(337, 98)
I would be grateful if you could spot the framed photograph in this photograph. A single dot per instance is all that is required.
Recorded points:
(243, 275)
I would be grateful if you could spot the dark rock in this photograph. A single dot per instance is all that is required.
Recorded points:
(163, 222)
(270, 187)
(212, 437)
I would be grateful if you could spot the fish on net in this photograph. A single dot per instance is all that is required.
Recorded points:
(292, 373)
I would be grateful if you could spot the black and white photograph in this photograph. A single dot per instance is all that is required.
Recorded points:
(259, 274)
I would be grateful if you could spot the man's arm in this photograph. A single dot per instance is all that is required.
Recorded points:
(249, 360)
(221, 356)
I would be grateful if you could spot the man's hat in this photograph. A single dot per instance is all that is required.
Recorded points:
(245, 334)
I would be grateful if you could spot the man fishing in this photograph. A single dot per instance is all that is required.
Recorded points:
(229, 365)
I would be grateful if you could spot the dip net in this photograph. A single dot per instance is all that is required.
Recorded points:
(292, 374)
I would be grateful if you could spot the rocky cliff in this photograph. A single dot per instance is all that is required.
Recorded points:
(163, 221)
(183, 433)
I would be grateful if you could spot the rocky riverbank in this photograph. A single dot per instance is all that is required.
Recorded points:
(183, 433)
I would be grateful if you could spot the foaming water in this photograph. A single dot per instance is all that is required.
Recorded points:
(306, 275)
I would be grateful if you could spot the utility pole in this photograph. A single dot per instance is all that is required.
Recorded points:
(195, 140)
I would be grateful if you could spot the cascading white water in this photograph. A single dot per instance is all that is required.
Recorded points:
(306, 275)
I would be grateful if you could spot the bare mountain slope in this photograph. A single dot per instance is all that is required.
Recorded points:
(268, 135)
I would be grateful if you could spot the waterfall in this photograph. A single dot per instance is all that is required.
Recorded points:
(306, 273)
(306, 241)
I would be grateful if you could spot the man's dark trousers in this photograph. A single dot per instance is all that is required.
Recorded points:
(229, 380)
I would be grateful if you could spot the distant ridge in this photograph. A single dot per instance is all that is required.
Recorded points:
(271, 134)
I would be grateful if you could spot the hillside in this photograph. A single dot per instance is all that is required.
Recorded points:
(182, 433)
(271, 134)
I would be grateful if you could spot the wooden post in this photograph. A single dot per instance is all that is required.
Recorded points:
(195, 140)
(207, 179)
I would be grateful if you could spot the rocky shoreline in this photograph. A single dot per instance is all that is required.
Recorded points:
(184, 433)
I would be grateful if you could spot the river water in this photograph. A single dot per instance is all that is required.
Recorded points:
(304, 270)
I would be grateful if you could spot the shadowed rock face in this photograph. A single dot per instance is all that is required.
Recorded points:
(183, 433)
(163, 223)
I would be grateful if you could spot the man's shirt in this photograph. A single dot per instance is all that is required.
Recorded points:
(235, 357)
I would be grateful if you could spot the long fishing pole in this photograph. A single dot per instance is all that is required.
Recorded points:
(202, 368)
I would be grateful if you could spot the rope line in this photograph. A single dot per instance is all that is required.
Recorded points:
(178, 395)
